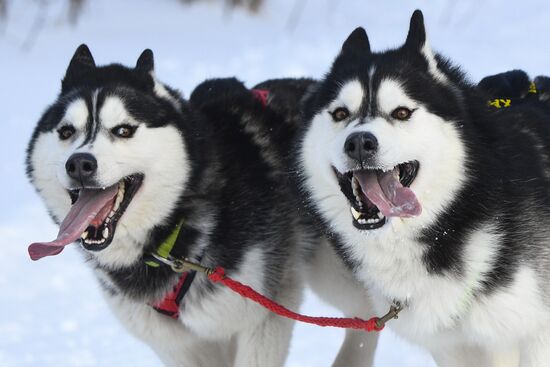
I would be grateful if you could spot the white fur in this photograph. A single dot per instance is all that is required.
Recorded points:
(424, 138)
(158, 153)
(214, 328)
(161, 91)
(350, 96)
(76, 114)
(432, 64)
(175, 344)
(440, 311)
(220, 328)
(334, 283)
(49, 156)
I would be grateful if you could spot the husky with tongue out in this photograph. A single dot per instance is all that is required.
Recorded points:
(135, 176)
(434, 199)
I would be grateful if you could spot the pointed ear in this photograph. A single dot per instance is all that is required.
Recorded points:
(357, 42)
(146, 62)
(416, 38)
(82, 61)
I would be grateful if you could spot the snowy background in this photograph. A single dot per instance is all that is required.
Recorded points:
(51, 313)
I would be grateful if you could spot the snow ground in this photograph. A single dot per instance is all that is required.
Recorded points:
(51, 311)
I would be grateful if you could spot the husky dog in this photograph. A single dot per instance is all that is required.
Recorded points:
(434, 200)
(326, 273)
(138, 176)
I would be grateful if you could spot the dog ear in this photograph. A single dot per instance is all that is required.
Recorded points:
(417, 42)
(357, 42)
(416, 38)
(146, 62)
(81, 62)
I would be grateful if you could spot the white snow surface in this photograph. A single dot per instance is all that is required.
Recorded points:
(51, 311)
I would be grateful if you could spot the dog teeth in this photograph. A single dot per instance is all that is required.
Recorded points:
(356, 188)
(359, 217)
(84, 235)
(118, 200)
(105, 232)
(94, 242)
(355, 213)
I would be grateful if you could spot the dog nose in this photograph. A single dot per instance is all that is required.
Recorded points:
(360, 146)
(80, 166)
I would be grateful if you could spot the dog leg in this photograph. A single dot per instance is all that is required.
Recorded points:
(461, 356)
(333, 282)
(266, 345)
(173, 343)
(535, 351)
(357, 350)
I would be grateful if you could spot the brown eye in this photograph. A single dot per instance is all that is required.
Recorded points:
(124, 131)
(65, 132)
(339, 114)
(401, 113)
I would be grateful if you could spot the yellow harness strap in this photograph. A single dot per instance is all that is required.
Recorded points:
(532, 88)
(507, 102)
(166, 247)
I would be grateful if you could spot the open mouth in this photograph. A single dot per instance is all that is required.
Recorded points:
(375, 194)
(93, 217)
(101, 230)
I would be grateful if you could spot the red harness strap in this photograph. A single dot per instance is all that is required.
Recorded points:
(261, 95)
(170, 305)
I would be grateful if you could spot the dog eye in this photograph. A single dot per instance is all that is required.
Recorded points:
(339, 114)
(65, 132)
(124, 131)
(401, 113)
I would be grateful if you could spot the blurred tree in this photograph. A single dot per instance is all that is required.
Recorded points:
(75, 9)
(251, 5)
(3, 8)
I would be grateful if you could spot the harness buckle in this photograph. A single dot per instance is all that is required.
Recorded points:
(393, 313)
(182, 265)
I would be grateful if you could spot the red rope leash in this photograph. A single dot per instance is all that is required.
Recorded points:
(373, 324)
(217, 275)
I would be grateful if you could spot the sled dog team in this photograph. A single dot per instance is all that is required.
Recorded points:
(391, 180)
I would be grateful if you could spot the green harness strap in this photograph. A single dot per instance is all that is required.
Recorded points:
(166, 247)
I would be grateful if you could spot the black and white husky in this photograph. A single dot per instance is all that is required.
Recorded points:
(126, 166)
(434, 200)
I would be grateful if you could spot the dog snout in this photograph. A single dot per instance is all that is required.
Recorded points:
(360, 146)
(81, 166)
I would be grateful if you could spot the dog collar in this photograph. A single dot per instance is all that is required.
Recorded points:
(170, 304)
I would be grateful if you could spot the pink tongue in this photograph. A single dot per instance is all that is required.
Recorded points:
(386, 192)
(89, 204)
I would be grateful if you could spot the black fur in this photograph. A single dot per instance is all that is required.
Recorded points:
(238, 177)
(506, 165)
(511, 84)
